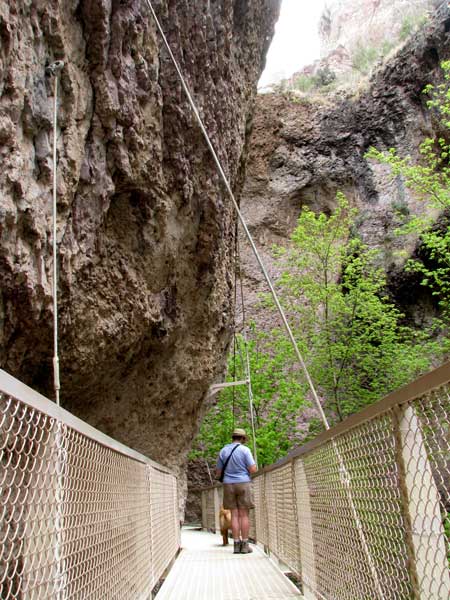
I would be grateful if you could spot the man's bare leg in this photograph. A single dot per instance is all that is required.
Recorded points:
(235, 523)
(235, 528)
(244, 522)
(245, 528)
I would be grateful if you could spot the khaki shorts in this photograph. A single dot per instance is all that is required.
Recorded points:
(238, 495)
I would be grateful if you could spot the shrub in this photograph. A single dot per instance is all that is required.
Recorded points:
(410, 24)
(304, 83)
(323, 78)
(364, 58)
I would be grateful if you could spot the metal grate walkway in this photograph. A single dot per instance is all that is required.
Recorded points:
(205, 570)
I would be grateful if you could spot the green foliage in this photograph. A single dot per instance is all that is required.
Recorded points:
(304, 83)
(430, 181)
(410, 24)
(364, 58)
(320, 81)
(353, 338)
(387, 46)
(278, 400)
(407, 27)
(325, 76)
(349, 330)
(446, 526)
(346, 327)
(401, 207)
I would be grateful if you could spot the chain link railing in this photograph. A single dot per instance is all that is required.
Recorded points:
(363, 511)
(81, 516)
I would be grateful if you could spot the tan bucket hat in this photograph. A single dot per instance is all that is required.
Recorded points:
(240, 433)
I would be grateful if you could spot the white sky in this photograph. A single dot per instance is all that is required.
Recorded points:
(296, 40)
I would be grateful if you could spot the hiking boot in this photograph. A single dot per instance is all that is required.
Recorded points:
(245, 548)
(237, 547)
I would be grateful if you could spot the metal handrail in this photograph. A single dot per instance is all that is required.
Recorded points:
(81, 515)
(13, 387)
(363, 509)
(420, 387)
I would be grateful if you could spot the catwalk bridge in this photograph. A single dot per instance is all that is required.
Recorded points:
(359, 513)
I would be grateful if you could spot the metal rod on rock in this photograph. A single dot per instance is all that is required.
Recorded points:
(54, 69)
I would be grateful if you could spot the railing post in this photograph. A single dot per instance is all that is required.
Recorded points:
(305, 532)
(423, 522)
(296, 511)
(265, 518)
(204, 495)
(271, 512)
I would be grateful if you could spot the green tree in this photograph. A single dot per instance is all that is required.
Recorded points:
(346, 327)
(364, 57)
(350, 333)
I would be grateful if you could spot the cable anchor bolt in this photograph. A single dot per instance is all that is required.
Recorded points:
(55, 67)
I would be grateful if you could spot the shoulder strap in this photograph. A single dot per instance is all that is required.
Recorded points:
(227, 461)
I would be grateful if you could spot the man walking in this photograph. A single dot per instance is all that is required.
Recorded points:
(236, 464)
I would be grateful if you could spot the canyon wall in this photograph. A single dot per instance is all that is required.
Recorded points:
(145, 231)
(355, 35)
(305, 148)
(360, 23)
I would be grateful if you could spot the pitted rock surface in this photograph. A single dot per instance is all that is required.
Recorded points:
(145, 230)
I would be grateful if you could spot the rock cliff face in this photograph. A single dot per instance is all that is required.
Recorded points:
(356, 34)
(145, 232)
(360, 23)
(303, 150)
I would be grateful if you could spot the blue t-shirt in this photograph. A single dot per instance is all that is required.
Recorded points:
(237, 467)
